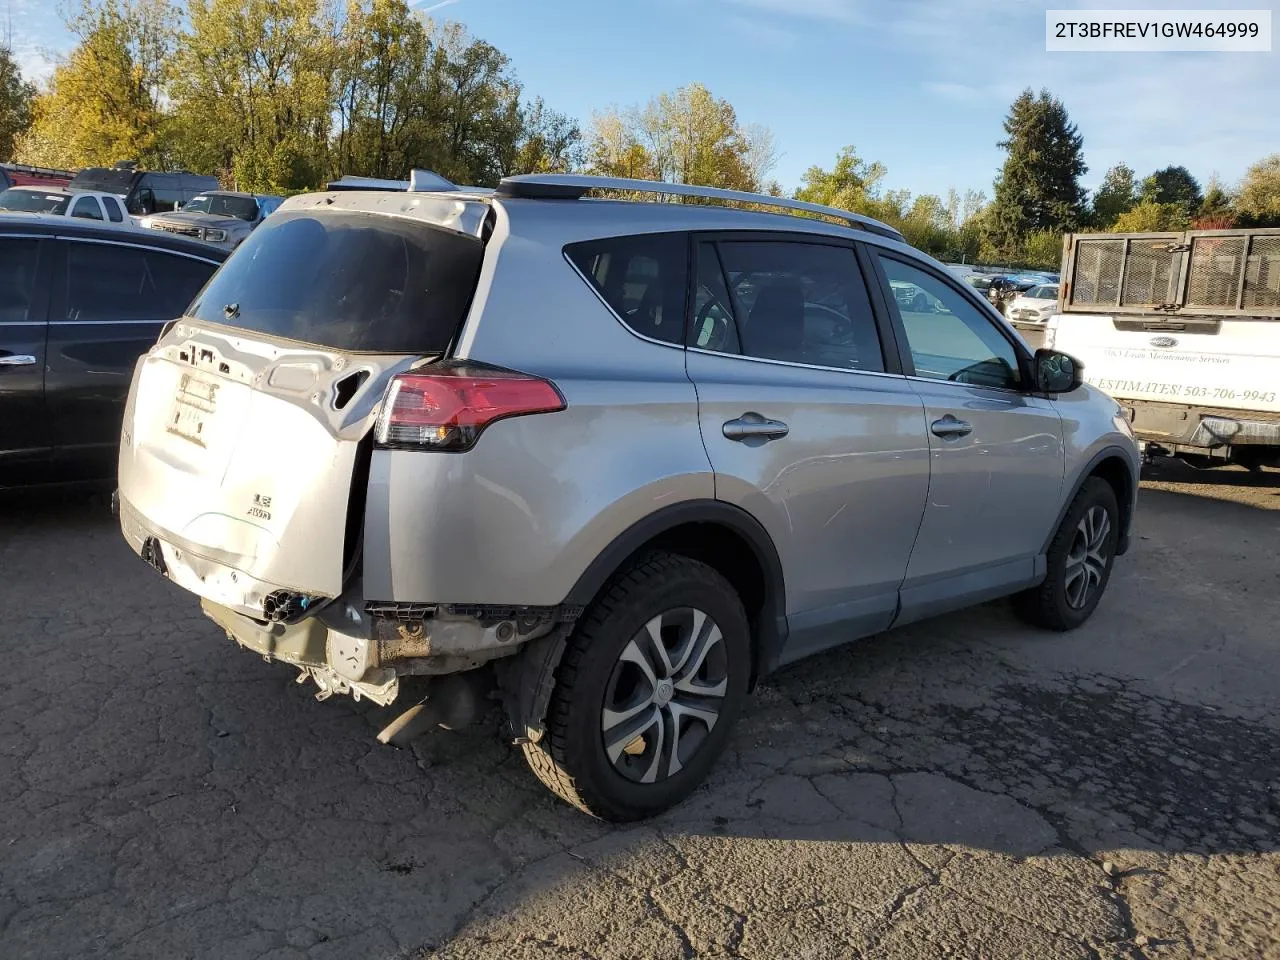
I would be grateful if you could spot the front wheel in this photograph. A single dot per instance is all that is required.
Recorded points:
(1080, 558)
(652, 680)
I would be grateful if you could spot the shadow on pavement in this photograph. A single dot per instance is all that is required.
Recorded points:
(162, 793)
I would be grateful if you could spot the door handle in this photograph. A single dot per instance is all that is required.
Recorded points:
(752, 426)
(17, 360)
(949, 428)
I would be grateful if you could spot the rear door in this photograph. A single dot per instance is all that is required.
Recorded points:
(243, 436)
(809, 424)
(996, 450)
(109, 303)
(24, 287)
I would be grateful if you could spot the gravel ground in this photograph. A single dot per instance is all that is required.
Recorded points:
(965, 786)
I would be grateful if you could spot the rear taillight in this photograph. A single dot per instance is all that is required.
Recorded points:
(448, 408)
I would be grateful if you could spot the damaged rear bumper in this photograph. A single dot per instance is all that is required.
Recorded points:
(346, 644)
(363, 649)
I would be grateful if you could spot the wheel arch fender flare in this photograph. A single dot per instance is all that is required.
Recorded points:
(769, 611)
(1127, 503)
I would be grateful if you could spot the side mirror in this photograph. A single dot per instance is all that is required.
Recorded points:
(1057, 372)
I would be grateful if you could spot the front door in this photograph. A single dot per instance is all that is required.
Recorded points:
(24, 436)
(996, 450)
(807, 428)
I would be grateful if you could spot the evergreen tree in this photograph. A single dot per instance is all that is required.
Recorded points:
(1039, 186)
(1173, 185)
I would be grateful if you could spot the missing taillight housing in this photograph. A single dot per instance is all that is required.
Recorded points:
(447, 408)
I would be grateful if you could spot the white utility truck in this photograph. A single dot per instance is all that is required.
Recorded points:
(1183, 329)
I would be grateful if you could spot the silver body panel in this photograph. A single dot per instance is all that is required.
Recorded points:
(875, 520)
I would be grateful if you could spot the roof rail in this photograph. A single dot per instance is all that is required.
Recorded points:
(572, 186)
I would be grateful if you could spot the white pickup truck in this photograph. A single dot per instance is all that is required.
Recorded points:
(1183, 329)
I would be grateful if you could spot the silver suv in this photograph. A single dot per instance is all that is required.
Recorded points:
(626, 457)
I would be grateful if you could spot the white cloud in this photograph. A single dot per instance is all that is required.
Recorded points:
(434, 7)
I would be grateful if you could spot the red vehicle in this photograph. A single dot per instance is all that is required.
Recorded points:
(21, 175)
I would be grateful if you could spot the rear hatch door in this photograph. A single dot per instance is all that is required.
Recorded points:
(244, 440)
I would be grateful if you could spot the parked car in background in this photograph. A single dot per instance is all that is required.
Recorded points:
(79, 303)
(144, 191)
(60, 202)
(20, 174)
(1036, 305)
(625, 458)
(223, 218)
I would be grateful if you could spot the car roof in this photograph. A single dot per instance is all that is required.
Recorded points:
(13, 222)
(567, 221)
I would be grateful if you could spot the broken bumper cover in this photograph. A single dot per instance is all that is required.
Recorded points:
(345, 644)
(212, 578)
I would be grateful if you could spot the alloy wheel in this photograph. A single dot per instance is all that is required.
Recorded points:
(1088, 557)
(664, 695)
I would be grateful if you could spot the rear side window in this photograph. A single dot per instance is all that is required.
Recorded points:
(347, 281)
(86, 208)
(107, 281)
(795, 301)
(642, 278)
(17, 280)
(113, 209)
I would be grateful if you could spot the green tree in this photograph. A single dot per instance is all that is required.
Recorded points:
(16, 96)
(1148, 216)
(1217, 211)
(1259, 198)
(104, 102)
(849, 185)
(251, 90)
(1117, 194)
(1173, 185)
(686, 136)
(1043, 250)
(1039, 185)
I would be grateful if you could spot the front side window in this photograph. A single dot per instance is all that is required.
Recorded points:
(642, 278)
(785, 300)
(112, 282)
(86, 208)
(114, 213)
(948, 336)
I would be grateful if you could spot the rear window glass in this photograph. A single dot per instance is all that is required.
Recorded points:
(34, 201)
(347, 281)
(642, 278)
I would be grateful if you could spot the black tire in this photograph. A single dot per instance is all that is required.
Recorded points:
(571, 759)
(1050, 605)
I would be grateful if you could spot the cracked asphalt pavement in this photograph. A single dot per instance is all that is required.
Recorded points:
(966, 787)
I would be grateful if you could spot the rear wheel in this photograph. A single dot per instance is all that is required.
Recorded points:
(651, 682)
(1080, 558)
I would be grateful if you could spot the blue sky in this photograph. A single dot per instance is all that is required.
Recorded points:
(920, 85)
